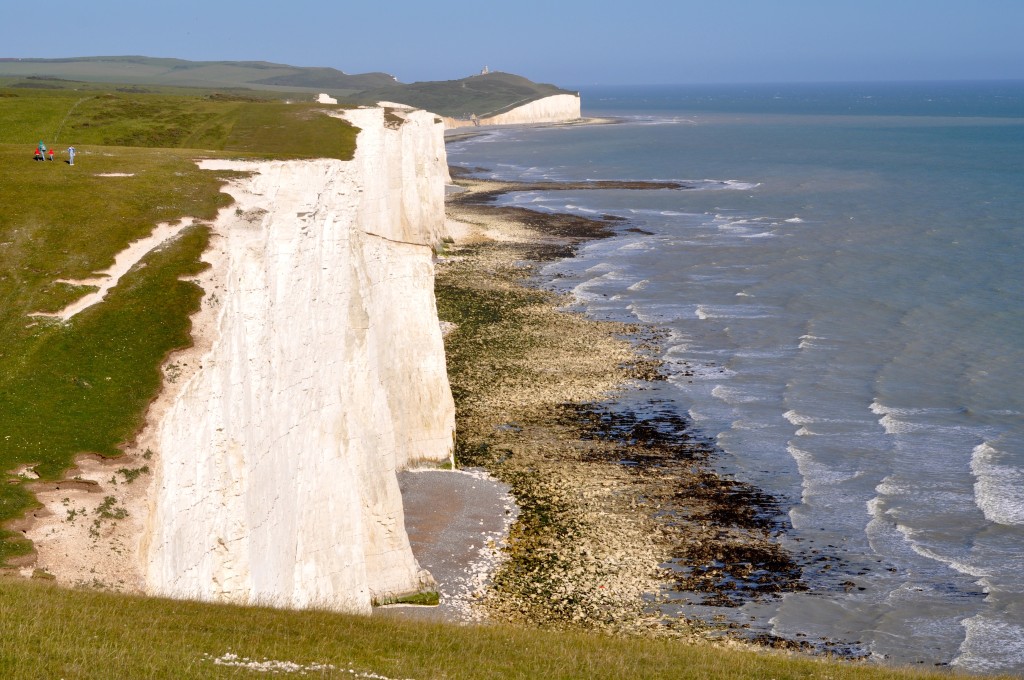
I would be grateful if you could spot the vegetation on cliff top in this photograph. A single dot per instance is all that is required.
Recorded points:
(207, 121)
(82, 386)
(482, 95)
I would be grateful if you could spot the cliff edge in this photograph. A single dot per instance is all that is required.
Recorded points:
(277, 460)
(318, 372)
(558, 108)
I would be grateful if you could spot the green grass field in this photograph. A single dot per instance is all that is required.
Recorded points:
(207, 122)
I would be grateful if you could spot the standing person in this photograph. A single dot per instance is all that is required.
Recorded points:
(49, 154)
(71, 153)
(42, 150)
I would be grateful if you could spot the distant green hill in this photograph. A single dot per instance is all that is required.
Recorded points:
(483, 95)
(134, 70)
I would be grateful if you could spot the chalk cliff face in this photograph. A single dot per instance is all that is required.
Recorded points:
(324, 375)
(557, 108)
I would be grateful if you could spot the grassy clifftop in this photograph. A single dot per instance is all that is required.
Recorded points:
(207, 121)
(82, 386)
(483, 95)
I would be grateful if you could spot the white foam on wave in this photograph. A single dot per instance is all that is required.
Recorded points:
(796, 418)
(741, 186)
(893, 425)
(990, 645)
(733, 395)
(908, 420)
(881, 409)
(659, 313)
(998, 488)
(954, 564)
(638, 244)
(659, 120)
(748, 425)
(809, 341)
(705, 312)
(795, 220)
(736, 226)
(881, 528)
(883, 517)
(600, 268)
(748, 227)
(890, 487)
(814, 472)
(589, 211)
(640, 285)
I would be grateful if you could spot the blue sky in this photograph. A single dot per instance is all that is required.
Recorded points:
(568, 42)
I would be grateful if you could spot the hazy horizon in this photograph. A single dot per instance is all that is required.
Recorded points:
(650, 43)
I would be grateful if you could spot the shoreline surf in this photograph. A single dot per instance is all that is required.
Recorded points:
(835, 287)
(624, 524)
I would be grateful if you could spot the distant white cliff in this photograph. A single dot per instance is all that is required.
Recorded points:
(319, 372)
(559, 108)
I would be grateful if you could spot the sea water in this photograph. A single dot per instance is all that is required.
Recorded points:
(845, 283)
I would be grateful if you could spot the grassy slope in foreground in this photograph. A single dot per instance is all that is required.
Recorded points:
(52, 633)
(83, 386)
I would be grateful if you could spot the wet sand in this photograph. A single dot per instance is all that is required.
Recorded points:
(457, 523)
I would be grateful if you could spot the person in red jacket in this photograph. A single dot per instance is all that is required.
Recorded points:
(49, 154)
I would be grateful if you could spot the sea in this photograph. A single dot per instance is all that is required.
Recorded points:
(841, 290)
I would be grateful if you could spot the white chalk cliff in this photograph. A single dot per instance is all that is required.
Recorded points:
(323, 374)
(557, 108)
